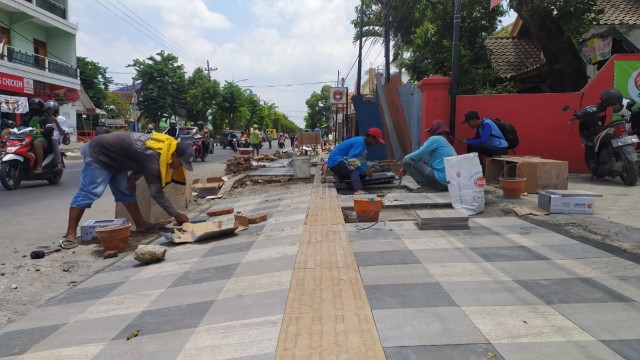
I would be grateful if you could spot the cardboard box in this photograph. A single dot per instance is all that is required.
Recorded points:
(540, 173)
(207, 230)
(567, 202)
(211, 186)
(88, 229)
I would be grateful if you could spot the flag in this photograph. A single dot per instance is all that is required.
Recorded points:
(494, 3)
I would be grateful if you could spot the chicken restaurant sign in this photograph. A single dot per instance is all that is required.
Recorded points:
(15, 83)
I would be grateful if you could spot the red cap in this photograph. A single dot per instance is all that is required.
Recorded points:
(376, 133)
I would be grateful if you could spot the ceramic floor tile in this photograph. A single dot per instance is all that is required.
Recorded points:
(271, 252)
(163, 268)
(234, 340)
(13, 343)
(432, 326)
(511, 324)
(570, 251)
(540, 239)
(275, 240)
(70, 353)
(509, 253)
(167, 319)
(246, 307)
(566, 350)
(247, 285)
(373, 234)
(402, 296)
(541, 269)
(625, 285)
(210, 274)
(135, 286)
(465, 272)
(412, 232)
(442, 352)
(489, 293)
(185, 295)
(572, 291)
(85, 332)
(50, 315)
(260, 267)
(628, 349)
(610, 266)
(378, 245)
(119, 305)
(486, 241)
(229, 249)
(395, 274)
(395, 257)
(162, 346)
(605, 321)
(432, 243)
(435, 256)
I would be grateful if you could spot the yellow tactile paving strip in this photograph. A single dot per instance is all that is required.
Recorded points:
(327, 314)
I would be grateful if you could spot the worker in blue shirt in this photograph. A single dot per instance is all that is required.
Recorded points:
(348, 159)
(426, 165)
(488, 140)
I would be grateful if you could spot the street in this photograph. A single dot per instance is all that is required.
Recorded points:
(36, 214)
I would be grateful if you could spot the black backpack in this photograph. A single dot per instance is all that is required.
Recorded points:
(508, 131)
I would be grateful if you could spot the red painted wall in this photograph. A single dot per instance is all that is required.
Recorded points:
(542, 126)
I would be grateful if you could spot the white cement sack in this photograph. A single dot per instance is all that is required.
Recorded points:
(466, 183)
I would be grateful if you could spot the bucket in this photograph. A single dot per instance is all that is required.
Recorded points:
(301, 167)
(114, 238)
(512, 187)
(367, 210)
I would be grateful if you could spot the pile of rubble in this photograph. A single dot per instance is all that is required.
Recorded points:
(241, 164)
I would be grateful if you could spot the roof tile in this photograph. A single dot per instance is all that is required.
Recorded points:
(511, 55)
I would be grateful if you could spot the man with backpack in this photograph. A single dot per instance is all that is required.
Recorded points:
(489, 139)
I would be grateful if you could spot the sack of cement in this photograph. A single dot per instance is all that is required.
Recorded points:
(466, 183)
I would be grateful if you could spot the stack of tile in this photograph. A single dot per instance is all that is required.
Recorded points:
(447, 219)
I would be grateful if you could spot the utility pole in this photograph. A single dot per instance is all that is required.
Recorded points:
(454, 65)
(387, 41)
(359, 76)
(210, 69)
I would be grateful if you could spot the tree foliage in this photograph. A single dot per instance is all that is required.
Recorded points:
(163, 86)
(554, 24)
(231, 103)
(94, 80)
(202, 95)
(116, 107)
(318, 108)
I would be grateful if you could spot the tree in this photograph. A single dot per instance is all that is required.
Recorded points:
(318, 108)
(232, 105)
(94, 80)
(116, 107)
(162, 86)
(554, 24)
(202, 94)
(422, 33)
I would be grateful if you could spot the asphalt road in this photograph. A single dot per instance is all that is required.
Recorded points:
(36, 214)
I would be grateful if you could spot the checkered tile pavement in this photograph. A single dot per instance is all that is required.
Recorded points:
(504, 286)
(210, 300)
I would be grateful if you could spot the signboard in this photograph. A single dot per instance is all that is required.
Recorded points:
(338, 95)
(114, 122)
(14, 104)
(626, 78)
(15, 83)
(596, 49)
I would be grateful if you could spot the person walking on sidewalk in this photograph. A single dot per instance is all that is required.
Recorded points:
(348, 159)
(159, 158)
(426, 165)
(489, 140)
(256, 142)
(269, 138)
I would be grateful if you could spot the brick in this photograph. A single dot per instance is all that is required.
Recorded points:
(220, 212)
(257, 219)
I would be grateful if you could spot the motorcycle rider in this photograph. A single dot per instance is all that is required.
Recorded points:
(202, 131)
(172, 130)
(49, 117)
(62, 121)
(40, 115)
(149, 129)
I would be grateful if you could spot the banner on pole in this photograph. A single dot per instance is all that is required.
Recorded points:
(626, 78)
(14, 104)
(338, 95)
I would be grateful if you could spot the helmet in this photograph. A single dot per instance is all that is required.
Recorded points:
(51, 104)
(611, 97)
(149, 126)
(36, 104)
(102, 123)
(11, 124)
(173, 122)
(200, 124)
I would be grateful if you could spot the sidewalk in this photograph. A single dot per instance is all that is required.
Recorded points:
(305, 285)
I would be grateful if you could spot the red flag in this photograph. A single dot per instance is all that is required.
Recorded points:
(494, 3)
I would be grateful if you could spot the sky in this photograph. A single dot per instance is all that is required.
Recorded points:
(282, 50)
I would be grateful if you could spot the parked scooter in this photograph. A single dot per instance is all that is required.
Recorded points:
(609, 150)
(197, 144)
(19, 162)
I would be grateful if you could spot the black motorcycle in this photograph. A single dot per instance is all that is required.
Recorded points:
(609, 150)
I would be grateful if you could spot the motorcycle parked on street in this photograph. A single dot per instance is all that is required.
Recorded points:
(19, 162)
(609, 150)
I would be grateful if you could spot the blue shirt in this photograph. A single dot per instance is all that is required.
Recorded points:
(436, 148)
(350, 149)
(484, 135)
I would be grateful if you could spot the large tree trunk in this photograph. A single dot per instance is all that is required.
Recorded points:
(566, 71)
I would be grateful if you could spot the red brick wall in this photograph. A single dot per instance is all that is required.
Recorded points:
(542, 126)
